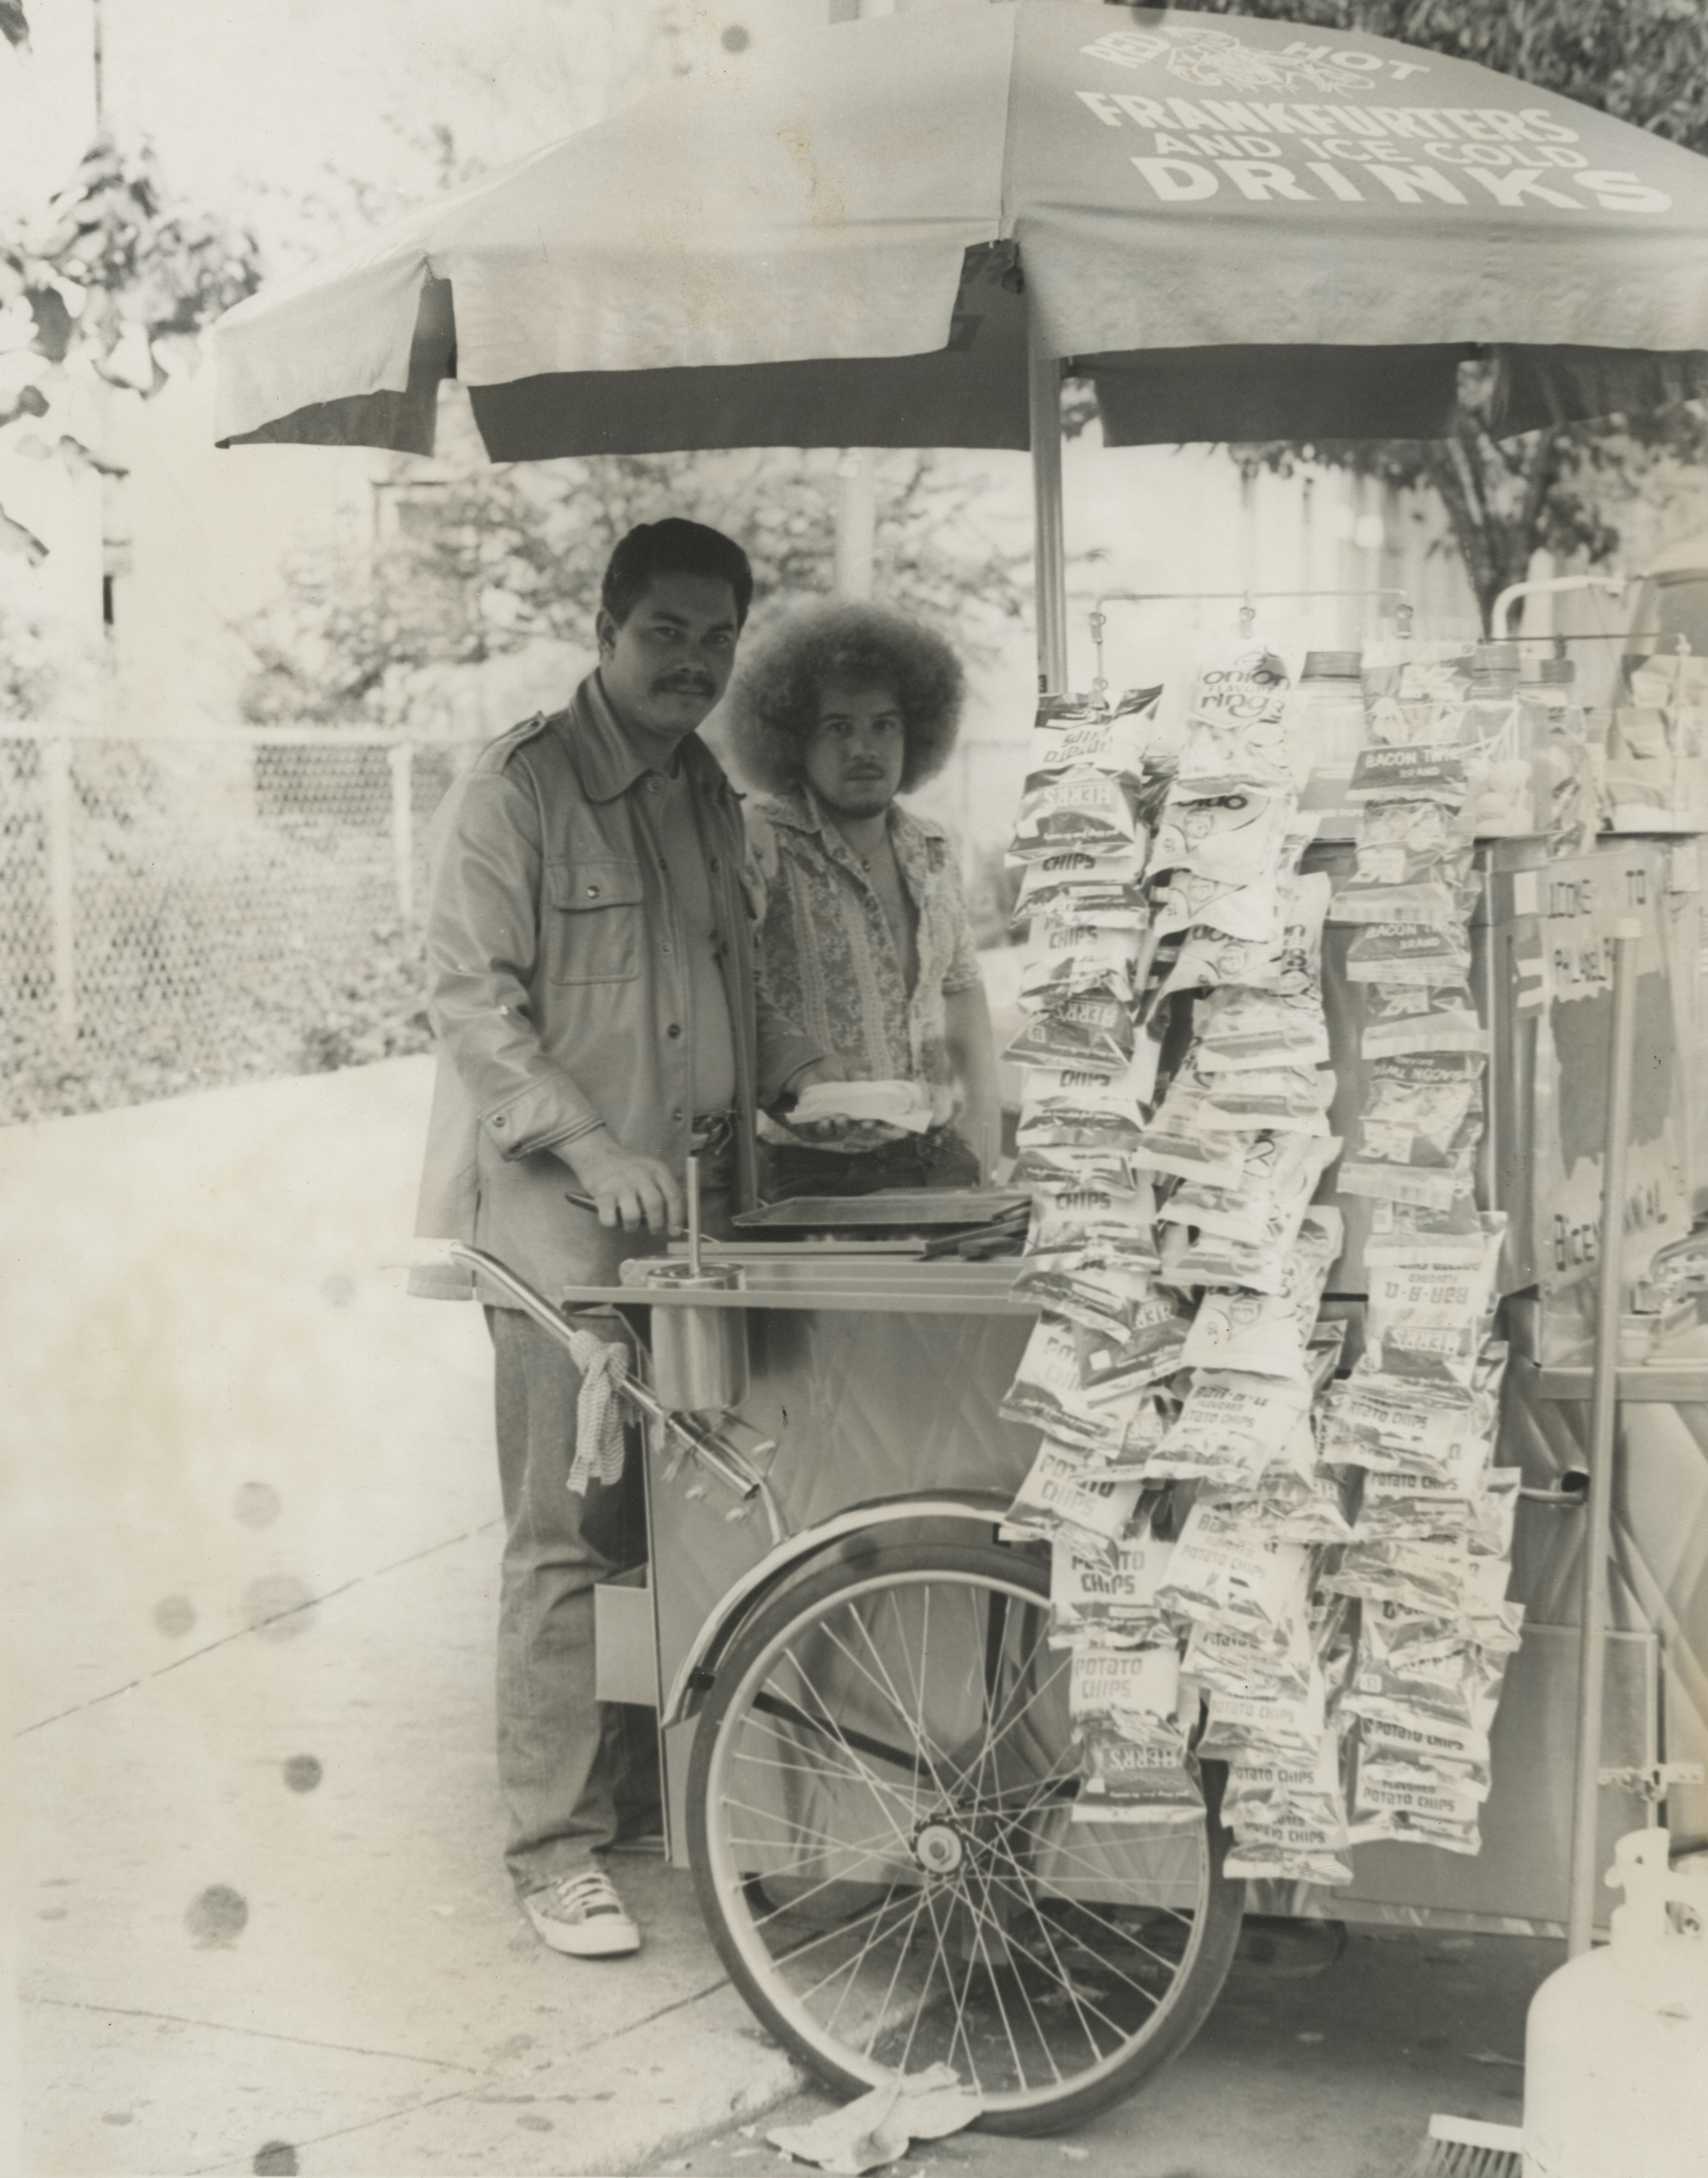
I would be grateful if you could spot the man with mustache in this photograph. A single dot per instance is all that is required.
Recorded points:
(590, 945)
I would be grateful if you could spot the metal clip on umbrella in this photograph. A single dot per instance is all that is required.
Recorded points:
(1585, 1866)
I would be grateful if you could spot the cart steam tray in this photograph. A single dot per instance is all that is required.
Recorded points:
(899, 1209)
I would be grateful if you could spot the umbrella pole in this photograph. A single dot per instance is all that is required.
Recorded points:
(1603, 1428)
(1049, 559)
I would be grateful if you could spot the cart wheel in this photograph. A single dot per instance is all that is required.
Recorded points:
(880, 1823)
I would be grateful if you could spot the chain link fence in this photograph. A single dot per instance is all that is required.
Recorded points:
(181, 911)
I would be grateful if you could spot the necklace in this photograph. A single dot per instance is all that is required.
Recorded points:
(878, 854)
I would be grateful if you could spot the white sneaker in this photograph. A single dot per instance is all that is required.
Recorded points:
(582, 1915)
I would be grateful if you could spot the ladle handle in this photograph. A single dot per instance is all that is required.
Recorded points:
(693, 1217)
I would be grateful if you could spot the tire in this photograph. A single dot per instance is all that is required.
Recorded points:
(879, 1825)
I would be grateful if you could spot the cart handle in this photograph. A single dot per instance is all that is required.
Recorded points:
(708, 1447)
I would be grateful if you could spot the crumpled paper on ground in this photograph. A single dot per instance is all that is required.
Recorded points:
(879, 2128)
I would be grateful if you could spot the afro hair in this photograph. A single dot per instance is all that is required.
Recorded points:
(773, 702)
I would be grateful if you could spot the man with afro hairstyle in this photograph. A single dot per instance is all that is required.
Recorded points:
(865, 942)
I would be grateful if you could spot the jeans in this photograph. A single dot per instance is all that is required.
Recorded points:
(563, 1757)
(574, 1773)
(938, 1158)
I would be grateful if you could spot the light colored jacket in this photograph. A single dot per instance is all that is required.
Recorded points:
(560, 990)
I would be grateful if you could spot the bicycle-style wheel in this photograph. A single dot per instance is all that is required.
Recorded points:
(880, 1819)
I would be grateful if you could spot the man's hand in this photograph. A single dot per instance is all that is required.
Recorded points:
(636, 1193)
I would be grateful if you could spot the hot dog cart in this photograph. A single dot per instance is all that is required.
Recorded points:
(867, 1757)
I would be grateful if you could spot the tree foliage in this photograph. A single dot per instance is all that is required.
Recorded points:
(26, 669)
(141, 261)
(107, 278)
(489, 560)
(1558, 490)
(1644, 62)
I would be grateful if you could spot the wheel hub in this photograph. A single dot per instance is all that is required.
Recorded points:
(940, 1847)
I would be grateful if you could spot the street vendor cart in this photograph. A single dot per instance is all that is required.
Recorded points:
(865, 1732)
(908, 232)
(867, 1751)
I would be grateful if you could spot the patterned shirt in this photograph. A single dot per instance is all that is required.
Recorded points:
(829, 958)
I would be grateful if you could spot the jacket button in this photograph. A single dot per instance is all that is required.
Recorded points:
(592, 892)
(499, 1125)
(674, 1029)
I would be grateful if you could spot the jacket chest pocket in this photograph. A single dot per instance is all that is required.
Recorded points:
(594, 920)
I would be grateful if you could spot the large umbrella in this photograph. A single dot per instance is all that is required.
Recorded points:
(901, 232)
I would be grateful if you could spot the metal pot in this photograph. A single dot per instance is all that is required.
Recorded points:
(699, 1355)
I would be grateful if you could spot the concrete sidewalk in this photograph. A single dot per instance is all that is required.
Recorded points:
(1303, 2070)
(263, 1923)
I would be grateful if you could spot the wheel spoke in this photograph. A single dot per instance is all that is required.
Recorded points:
(817, 1766)
(831, 1724)
(901, 1952)
(995, 1737)
(792, 1953)
(855, 1850)
(1072, 1990)
(1038, 2024)
(1070, 1987)
(920, 1740)
(801, 1950)
(938, 1958)
(860, 1959)
(1158, 1958)
(831, 1840)
(802, 1772)
(916, 1678)
(1020, 1983)
(863, 1741)
(883, 1795)
(1092, 1867)
(920, 1760)
(958, 1998)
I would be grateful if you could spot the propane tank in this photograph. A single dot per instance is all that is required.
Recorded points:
(1616, 2046)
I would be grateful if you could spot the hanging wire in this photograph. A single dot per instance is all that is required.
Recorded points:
(1246, 600)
